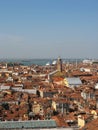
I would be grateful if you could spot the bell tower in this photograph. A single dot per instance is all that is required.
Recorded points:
(59, 64)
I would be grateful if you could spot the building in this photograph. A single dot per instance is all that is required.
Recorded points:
(28, 124)
(59, 64)
(72, 82)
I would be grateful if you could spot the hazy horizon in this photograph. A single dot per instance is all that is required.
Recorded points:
(38, 29)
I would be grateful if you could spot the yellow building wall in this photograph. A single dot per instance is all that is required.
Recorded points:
(36, 108)
(54, 105)
(66, 82)
(41, 94)
(94, 113)
(81, 122)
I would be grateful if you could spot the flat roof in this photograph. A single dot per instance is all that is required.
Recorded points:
(28, 124)
(74, 81)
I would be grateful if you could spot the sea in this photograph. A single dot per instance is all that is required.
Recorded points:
(41, 62)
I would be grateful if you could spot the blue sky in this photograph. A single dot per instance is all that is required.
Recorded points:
(48, 28)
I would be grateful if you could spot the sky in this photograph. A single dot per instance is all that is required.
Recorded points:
(49, 28)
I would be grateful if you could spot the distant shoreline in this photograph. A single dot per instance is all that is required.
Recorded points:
(38, 61)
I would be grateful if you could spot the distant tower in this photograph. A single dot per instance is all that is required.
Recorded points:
(6, 65)
(59, 64)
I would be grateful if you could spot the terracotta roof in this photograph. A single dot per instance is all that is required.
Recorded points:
(60, 121)
(92, 125)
